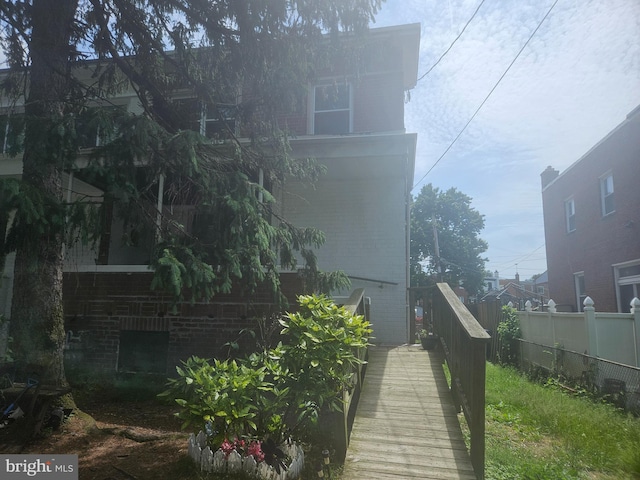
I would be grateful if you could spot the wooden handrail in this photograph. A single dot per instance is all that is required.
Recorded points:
(465, 343)
(356, 304)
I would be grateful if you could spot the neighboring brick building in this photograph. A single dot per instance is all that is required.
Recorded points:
(592, 223)
(354, 124)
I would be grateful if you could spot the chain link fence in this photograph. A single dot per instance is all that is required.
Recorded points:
(614, 382)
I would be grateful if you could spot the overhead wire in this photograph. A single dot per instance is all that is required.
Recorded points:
(488, 95)
(452, 43)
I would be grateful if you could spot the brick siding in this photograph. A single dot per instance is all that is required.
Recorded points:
(95, 320)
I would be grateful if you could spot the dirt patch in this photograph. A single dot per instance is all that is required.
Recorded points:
(127, 440)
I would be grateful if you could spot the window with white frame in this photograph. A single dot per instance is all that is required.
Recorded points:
(332, 109)
(606, 194)
(11, 133)
(215, 121)
(570, 214)
(97, 126)
(581, 294)
(218, 121)
(627, 284)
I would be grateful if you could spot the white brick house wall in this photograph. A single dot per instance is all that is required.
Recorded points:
(361, 206)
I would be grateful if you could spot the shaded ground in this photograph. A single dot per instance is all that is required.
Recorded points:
(129, 440)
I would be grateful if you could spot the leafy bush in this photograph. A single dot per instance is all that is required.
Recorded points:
(280, 391)
(319, 354)
(508, 335)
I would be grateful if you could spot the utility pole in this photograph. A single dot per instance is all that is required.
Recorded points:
(437, 247)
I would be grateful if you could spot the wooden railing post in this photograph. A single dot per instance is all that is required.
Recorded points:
(357, 305)
(464, 342)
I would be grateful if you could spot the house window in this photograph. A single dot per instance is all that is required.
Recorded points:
(11, 133)
(332, 109)
(143, 351)
(212, 121)
(606, 194)
(580, 290)
(627, 284)
(97, 126)
(570, 214)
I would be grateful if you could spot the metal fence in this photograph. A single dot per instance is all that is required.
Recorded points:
(615, 382)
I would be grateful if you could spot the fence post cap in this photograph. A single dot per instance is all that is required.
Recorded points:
(635, 304)
(551, 305)
(527, 305)
(588, 302)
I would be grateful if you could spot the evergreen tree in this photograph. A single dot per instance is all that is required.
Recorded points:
(253, 57)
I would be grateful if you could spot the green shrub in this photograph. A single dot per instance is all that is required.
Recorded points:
(280, 391)
(508, 335)
(318, 355)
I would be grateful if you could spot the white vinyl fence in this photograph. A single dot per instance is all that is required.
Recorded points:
(611, 336)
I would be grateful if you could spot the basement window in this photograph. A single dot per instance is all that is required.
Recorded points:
(142, 351)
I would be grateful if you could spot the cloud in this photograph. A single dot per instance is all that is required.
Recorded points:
(575, 81)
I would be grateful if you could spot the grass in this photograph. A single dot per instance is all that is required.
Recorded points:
(540, 432)
(537, 432)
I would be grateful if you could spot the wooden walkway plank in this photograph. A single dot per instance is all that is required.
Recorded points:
(406, 425)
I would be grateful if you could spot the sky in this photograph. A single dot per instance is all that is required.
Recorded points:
(576, 79)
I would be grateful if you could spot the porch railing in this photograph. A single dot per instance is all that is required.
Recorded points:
(464, 342)
(357, 305)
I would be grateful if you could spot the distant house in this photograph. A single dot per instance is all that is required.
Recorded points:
(353, 123)
(592, 223)
(514, 290)
(491, 282)
(541, 285)
(516, 294)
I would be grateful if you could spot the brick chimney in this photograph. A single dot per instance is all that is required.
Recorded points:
(548, 176)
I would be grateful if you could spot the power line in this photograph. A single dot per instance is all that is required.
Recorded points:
(452, 43)
(519, 259)
(488, 95)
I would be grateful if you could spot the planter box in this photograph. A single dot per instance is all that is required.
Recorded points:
(430, 342)
(219, 462)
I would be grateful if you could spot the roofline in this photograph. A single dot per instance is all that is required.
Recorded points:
(410, 54)
(633, 115)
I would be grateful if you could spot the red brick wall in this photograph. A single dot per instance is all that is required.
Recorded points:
(98, 306)
(598, 242)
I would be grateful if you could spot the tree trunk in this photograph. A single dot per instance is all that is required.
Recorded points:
(37, 321)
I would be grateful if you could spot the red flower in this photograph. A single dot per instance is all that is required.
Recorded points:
(227, 447)
(255, 449)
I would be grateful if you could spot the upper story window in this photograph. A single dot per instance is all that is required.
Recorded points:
(219, 121)
(570, 214)
(11, 133)
(97, 126)
(332, 109)
(606, 194)
(212, 121)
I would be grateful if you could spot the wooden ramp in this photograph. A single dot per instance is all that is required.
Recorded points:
(406, 425)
